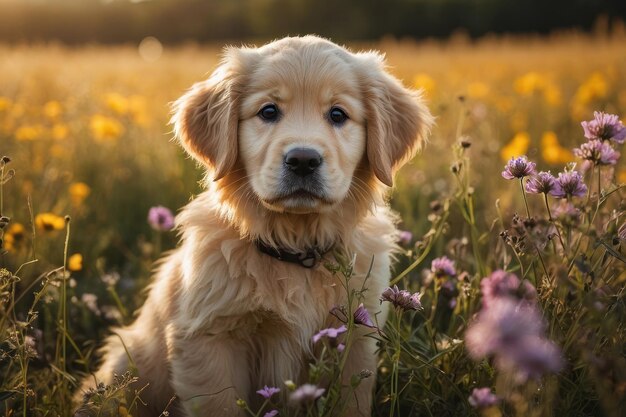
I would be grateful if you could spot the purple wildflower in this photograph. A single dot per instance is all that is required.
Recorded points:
(401, 298)
(532, 358)
(543, 183)
(268, 392)
(405, 237)
(362, 316)
(499, 284)
(572, 184)
(161, 218)
(341, 347)
(306, 394)
(512, 332)
(519, 167)
(331, 333)
(605, 126)
(442, 267)
(271, 413)
(482, 398)
(502, 326)
(598, 152)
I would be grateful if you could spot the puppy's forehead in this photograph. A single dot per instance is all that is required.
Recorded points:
(305, 67)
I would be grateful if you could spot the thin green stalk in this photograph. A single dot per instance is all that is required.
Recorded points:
(2, 164)
(425, 252)
(543, 264)
(599, 188)
(395, 371)
(24, 366)
(521, 183)
(118, 302)
(551, 219)
(62, 319)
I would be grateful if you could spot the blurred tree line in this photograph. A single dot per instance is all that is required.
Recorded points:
(172, 21)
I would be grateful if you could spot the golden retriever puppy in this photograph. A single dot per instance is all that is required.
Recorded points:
(300, 139)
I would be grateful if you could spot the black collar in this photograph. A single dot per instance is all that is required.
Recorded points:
(307, 259)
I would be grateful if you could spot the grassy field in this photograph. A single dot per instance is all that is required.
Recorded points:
(87, 135)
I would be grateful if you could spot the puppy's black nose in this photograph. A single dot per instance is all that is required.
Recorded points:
(303, 161)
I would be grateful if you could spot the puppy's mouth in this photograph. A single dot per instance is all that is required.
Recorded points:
(299, 195)
(299, 200)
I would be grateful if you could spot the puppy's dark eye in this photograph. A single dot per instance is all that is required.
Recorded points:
(337, 116)
(269, 113)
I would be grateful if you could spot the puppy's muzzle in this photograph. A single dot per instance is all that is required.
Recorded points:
(302, 161)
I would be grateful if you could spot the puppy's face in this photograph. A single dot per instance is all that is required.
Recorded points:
(302, 129)
(300, 115)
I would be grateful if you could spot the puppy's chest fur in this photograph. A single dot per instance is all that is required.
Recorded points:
(246, 293)
(229, 287)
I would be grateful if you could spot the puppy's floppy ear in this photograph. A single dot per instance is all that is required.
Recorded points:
(206, 117)
(397, 119)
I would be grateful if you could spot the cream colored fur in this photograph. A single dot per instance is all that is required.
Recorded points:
(223, 319)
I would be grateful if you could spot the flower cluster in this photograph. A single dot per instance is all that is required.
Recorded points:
(401, 298)
(330, 333)
(572, 185)
(268, 392)
(519, 167)
(511, 330)
(601, 132)
(161, 218)
(543, 183)
(501, 283)
(443, 267)
(605, 127)
(482, 398)
(306, 394)
(597, 152)
(362, 316)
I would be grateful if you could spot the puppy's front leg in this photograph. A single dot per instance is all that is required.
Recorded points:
(209, 374)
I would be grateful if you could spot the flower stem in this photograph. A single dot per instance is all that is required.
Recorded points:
(558, 233)
(521, 183)
(599, 188)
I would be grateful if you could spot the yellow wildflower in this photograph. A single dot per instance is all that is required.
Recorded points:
(518, 146)
(594, 87)
(552, 95)
(117, 102)
(551, 150)
(79, 192)
(105, 128)
(28, 132)
(60, 131)
(5, 103)
(75, 262)
(527, 84)
(477, 90)
(52, 109)
(49, 222)
(14, 236)
(138, 109)
(621, 176)
(425, 82)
